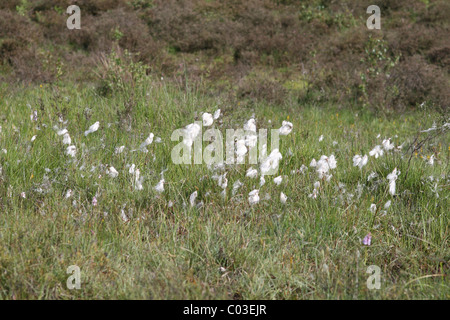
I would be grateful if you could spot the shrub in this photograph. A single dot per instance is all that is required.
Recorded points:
(99, 34)
(18, 47)
(440, 57)
(118, 72)
(261, 86)
(418, 82)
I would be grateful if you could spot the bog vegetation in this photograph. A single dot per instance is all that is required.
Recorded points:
(87, 178)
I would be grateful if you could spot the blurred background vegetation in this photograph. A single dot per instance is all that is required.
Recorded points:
(274, 50)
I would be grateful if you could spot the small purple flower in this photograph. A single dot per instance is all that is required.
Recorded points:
(94, 201)
(367, 239)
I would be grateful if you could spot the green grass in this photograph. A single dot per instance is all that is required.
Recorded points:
(304, 249)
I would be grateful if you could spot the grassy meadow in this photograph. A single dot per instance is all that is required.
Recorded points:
(87, 176)
(145, 244)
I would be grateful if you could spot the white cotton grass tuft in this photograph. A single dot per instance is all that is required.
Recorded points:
(387, 145)
(303, 168)
(223, 181)
(271, 162)
(119, 150)
(253, 197)
(123, 216)
(315, 192)
(262, 181)
(207, 119)
(138, 180)
(34, 116)
(160, 186)
(371, 176)
(278, 180)
(192, 198)
(191, 131)
(392, 177)
(251, 140)
(332, 162)
(71, 151)
(263, 151)
(112, 172)
(147, 142)
(387, 204)
(67, 139)
(373, 208)
(376, 152)
(286, 128)
(241, 151)
(33, 138)
(321, 138)
(68, 194)
(360, 161)
(92, 128)
(251, 173)
(61, 132)
(236, 185)
(216, 114)
(250, 125)
(324, 165)
(283, 197)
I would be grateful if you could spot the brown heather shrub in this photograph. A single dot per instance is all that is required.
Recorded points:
(417, 82)
(9, 4)
(89, 7)
(343, 46)
(18, 28)
(92, 7)
(51, 15)
(18, 47)
(35, 66)
(320, 43)
(438, 13)
(185, 28)
(260, 86)
(53, 25)
(242, 26)
(389, 6)
(411, 39)
(440, 57)
(99, 34)
(43, 5)
(336, 67)
(278, 37)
